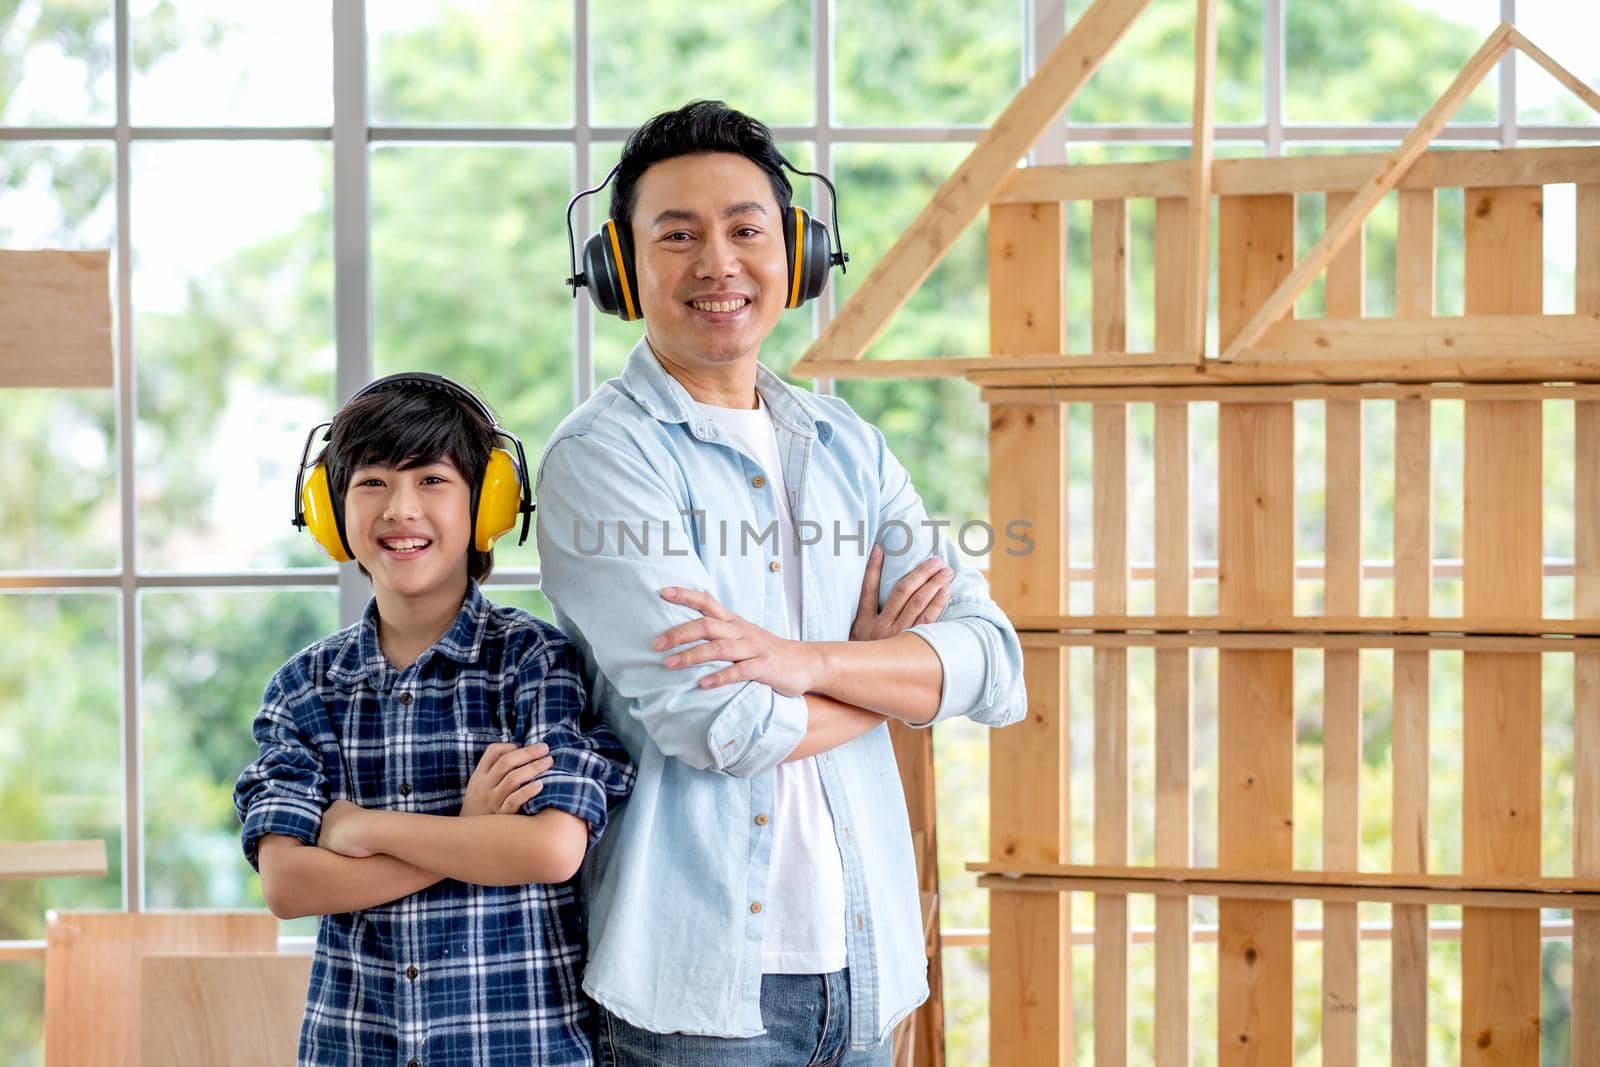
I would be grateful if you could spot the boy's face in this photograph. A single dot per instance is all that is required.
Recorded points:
(708, 244)
(411, 529)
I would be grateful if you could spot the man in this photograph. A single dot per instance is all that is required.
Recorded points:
(704, 534)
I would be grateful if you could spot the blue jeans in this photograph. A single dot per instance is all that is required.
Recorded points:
(807, 1017)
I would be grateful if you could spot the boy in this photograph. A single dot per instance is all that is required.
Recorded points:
(428, 779)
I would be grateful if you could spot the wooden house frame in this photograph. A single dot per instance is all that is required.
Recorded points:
(1504, 360)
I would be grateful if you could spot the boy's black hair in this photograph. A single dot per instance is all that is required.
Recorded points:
(409, 425)
(700, 126)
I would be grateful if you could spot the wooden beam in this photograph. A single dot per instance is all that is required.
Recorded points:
(1174, 722)
(1509, 626)
(1557, 71)
(1242, 883)
(1345, 172)
(1263, 641)
(1502, 553)
(1272, 394)
(1281, 301)
(52, 859)
(1586, 667)
(1198, 262)
(55, 320)
(959, 200)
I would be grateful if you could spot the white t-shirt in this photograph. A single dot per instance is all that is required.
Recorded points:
(804, 913)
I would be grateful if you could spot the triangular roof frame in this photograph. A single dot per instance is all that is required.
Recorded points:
(965, 193)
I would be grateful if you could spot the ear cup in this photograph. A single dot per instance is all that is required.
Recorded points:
(608, 266)
(321, 518)
(499, 500)
(810, 257)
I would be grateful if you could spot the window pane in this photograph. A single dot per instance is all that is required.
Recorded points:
(926, 63)
(60, 739)
(470, 62)
(1149, 74)
(1383, 61)
(233, 282)
(882, 188)
(58, 455)
(655, 57)
(56, 64)
(468, 281)
(214, 62)
(198, 700)
(22, 1024)
(1566, 32)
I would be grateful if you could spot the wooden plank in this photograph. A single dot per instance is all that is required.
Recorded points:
(1255, 690)
(242, 1009)
(1174, 722)
(55, 320)
(1475, 337)
(1197, 263)
(913, 753)
(91, 973)
(52, 859)
(1273, 394)
(1030, 988)
(1111, 775)
(1310, 624)
(1341, 683)
(1502, 557)
(1266, 641)
(1586, 667)
(1504, 896)
(1345, 172)
(964, 193)
(1561, 74)
(1281, 301)
(1027, 246)
(1108, 245)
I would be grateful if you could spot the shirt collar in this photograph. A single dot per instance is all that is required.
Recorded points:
(462, 642)
(665, 399)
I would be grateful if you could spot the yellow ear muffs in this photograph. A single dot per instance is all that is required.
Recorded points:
(499, 500)
(317, 512)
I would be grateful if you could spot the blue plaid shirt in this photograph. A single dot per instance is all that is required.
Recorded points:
(496, 969)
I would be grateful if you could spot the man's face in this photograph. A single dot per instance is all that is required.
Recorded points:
(708, 244)
(410, 528)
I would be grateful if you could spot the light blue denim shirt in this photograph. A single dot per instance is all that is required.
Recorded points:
(637, 491)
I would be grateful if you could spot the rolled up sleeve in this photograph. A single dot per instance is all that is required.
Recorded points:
(609, 590)
(284, 791)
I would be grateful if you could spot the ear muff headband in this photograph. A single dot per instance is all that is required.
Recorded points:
(608, 268)
(498, 498)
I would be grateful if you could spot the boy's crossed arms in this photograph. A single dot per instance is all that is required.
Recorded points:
(366, 857)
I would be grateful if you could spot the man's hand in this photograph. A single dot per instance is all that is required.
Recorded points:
(919, 597)
(756, 655)
(507, 777)
(342, 830)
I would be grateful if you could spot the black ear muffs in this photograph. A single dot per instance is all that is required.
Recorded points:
(612, 280)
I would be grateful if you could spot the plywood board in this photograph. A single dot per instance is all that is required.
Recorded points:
(241, 1009)
(55, 320)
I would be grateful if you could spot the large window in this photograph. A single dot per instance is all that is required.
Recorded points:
(301, 195)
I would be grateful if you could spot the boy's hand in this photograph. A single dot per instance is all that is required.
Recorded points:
(506, 778)
(756, 655)
(919, 597)
(342, 829)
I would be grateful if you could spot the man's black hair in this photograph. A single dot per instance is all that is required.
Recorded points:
(410, 425)
(700, 126)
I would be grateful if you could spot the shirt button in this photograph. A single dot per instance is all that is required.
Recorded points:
(774, 566)
(761, 820)
(413, 1062)
(758, 481)
(405, 789)
(405, 698)
(411, 972)
(860, 924)
(755, 908)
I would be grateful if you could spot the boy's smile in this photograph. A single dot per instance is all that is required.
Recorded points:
(410, 529)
